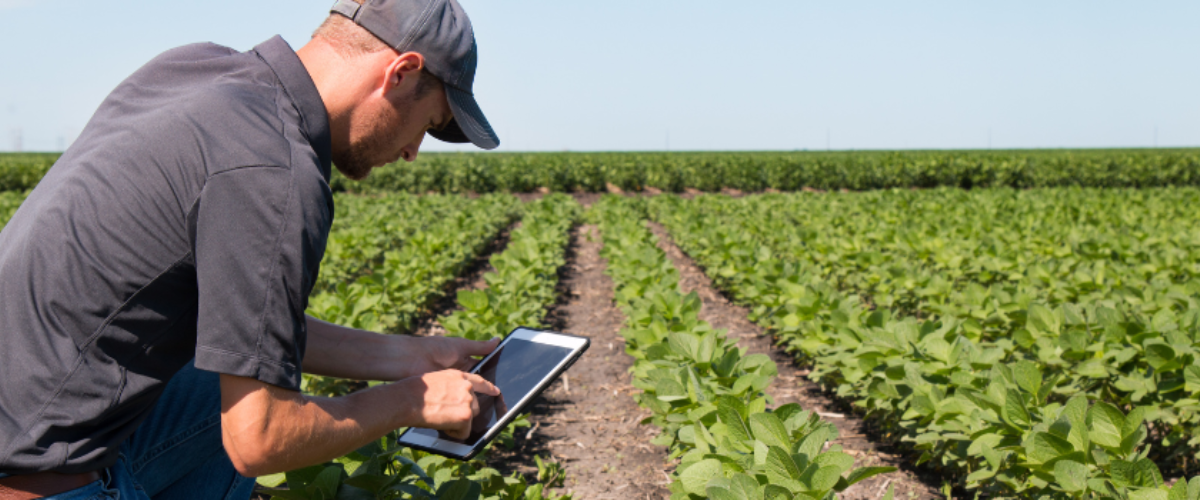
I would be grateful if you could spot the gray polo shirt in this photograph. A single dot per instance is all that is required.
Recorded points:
(187, 221)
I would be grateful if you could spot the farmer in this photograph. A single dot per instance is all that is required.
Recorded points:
(153, 285)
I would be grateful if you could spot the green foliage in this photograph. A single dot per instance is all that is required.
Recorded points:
(525, 276)
(393, 295)
(366, 227)
(784, 171)
(704, 392)
(9, 202)
(22, 171)
(517, 294)
(384, 470)
(963, 323)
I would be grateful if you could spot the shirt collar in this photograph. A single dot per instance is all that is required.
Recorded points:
(299, 86)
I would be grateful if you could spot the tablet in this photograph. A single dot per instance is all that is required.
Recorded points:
(522, 366)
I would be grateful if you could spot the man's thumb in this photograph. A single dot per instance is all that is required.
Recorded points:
(483, 348)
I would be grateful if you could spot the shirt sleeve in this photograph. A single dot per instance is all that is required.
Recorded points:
(258, 241)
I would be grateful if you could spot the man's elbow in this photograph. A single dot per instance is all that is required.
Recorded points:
(251, 457)
(249, 411)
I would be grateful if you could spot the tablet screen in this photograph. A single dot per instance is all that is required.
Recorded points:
(516, 368)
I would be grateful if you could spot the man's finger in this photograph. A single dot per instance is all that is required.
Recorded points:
(477, 348)
(478, 384)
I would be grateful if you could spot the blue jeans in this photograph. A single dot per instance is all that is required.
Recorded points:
(176, 453)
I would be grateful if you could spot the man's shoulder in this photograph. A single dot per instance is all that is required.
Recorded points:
(233, 102)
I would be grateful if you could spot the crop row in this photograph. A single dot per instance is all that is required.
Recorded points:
(705, 394)
(790, 171)
(366, 227)
(523, 285)
(394, 294)
(749, 171)
(978, 326)
(526, 274)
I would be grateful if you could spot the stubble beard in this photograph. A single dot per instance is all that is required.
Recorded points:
(373, 149)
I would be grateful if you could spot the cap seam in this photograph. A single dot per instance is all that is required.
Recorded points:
(473, 124)
(462, 68)
(424, 20)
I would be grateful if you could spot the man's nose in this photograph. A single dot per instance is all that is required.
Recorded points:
(409, 152)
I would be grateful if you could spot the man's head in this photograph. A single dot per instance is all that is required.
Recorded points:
(391, 70)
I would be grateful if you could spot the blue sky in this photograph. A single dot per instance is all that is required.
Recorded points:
(697, 75)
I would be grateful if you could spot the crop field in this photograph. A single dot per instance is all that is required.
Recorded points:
(747, 172)
(1036, 338)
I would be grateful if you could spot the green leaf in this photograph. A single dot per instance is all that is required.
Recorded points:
(991, 455)
(1014, 410)
(1133, 421)
(1191, 377)
(1159, 355)
(1179, 491)
(780, 466)
(745, 487)
(683, 343)
(1028, 376)
(881, 389)
(1076, 411)
(325, 485)
(843, 461)
(860, 474)
(1148, 474)
(462, 489)
(1149, 494)
(273, 480)
(776, 492)
(695, 478)
(1105, 422)
(727, 412)
(1043, 320)
(768, 429)
(1142, 473)
(1043, 447)
(825, 478)
(473, 300)
(1072, 476)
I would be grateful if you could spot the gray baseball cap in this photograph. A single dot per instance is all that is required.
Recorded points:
(440, 31)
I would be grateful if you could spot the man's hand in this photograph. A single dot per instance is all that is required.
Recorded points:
(440, 353)
(267, 429)
(450, 401)
(337, 351)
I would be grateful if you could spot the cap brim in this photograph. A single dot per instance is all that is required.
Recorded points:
(469, 124)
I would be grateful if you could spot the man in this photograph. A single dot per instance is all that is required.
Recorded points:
(177, 241)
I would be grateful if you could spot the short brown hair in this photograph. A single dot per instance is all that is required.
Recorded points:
(347, 38)
(350, 39)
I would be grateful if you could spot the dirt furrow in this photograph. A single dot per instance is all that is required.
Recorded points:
(588, 420)
(792, 385)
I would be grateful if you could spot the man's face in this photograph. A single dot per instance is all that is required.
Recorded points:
(387, 128)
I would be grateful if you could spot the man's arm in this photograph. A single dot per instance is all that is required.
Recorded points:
(267, 429)
(337, 351)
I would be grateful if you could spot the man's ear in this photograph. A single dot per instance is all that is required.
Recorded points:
(403, 73)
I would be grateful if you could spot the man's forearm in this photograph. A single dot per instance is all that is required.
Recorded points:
(266, 429)
(337, 351)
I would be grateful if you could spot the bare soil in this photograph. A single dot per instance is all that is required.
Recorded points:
(792, 386)
(588, 420)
